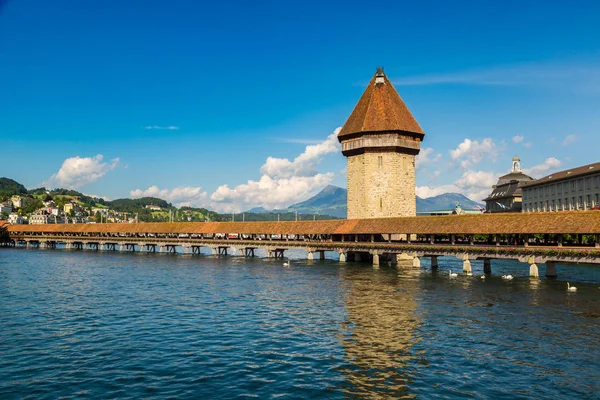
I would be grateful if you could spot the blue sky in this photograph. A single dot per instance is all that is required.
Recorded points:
(215, 103)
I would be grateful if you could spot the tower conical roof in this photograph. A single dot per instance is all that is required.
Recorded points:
(380, 108)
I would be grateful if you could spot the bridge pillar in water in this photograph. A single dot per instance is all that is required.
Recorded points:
(551, 269)
(310, 256)
(533, 268)
(321, 255)
(467, 265)
(416, 263)
(375, 260)
(434, 262)
(487, 266)
(342, 257)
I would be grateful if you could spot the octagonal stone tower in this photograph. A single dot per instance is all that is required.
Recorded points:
(381, 139)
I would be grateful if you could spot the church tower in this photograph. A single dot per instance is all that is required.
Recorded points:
(381, 139)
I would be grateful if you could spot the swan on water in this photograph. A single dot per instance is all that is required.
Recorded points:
(508, 277)
(571, 288)
(452, 275)
(286, 264)
(482, 276)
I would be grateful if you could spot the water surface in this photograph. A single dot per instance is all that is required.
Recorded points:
(114, 325)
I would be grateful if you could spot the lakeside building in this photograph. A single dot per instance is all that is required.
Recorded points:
(6, 208)
(572, 189)
(507, 194)
(380, 140)
(16, 219)
(17, 201)
(74, 207)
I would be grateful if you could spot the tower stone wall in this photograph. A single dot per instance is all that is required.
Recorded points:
(381, 184)
(380, 140)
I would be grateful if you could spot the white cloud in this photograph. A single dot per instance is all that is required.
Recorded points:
(541, 169)
(169, 128)
(282, 183)
(471, 152)
(305, 163)
(268, 192)
(569, 139)
(78, 171)
(426, 156)
(518, 139)
(180, 196)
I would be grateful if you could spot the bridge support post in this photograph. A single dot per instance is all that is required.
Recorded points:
(467, 265)
(533, 268)
(310, 256)
(434, 262)
(375, 260)
(487, 266)
(533, 271)
(321, 255)
(551, 269)
(342, 257)
(416, 263)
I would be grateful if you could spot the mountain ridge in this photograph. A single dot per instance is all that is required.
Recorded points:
(332, 201)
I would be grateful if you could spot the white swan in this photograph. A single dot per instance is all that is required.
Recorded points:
(508, 277)
(452, 275)
(571, 288)
(482, 276)
(286, 264)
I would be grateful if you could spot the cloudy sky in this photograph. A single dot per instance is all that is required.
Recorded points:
(235, 105)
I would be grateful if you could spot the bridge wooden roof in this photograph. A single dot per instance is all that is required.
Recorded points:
(574, 222)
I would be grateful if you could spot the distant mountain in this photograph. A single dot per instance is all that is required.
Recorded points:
(329, 201)
(446, 201)
(332, 201)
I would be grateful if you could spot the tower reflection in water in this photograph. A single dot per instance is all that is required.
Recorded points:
(379, 331)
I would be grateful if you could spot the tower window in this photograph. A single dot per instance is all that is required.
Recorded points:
(381, 203)
(380, 161)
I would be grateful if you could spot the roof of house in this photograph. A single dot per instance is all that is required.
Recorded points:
(587, 222)
(566, 174)
(514, 176)
(509, 189)
(380, 108)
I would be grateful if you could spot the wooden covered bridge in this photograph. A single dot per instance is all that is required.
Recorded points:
(532, 238)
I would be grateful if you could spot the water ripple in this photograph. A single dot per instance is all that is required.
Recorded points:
(93, 325)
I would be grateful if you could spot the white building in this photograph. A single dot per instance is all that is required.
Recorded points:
(15, 219)
(6, 208)
(17, 201)
(573, 189)
(43, 218)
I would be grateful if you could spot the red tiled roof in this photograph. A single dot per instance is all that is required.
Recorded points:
(380, 109)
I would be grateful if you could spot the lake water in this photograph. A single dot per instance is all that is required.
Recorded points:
(114, 325)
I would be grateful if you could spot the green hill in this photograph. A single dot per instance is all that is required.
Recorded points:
(9, 187)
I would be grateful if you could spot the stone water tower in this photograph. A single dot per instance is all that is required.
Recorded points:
(381, 139)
